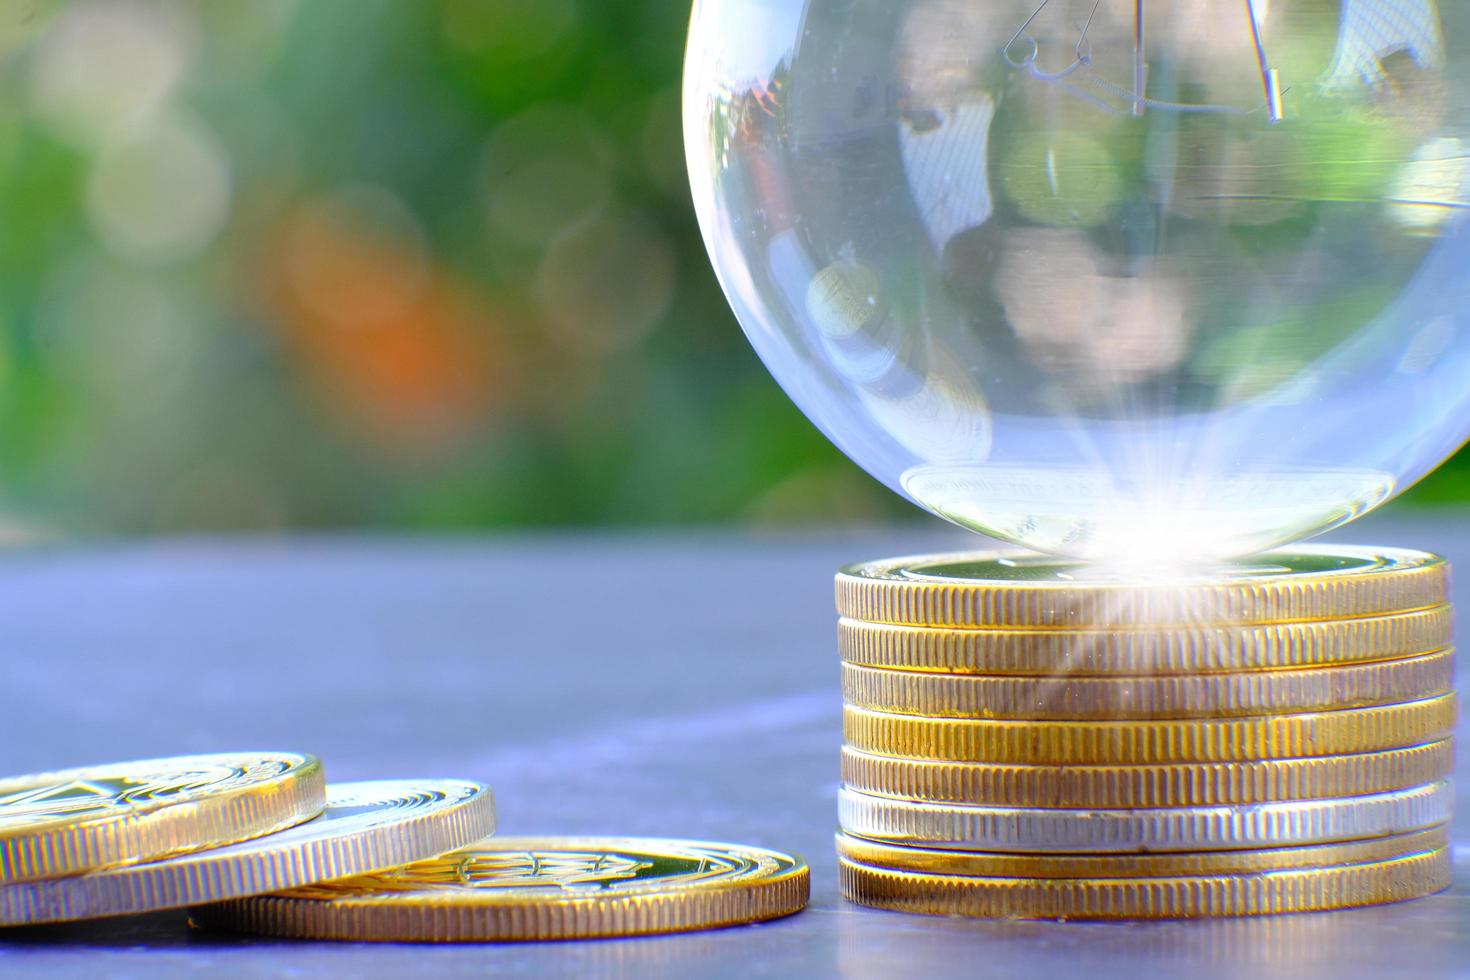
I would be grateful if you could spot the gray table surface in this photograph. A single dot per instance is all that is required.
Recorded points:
(665, 684)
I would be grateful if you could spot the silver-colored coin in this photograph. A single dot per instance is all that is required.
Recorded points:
(1036, 830)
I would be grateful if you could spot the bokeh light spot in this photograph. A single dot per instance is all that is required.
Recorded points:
(162, 192)
(397, 346)
(603, 286)
(335, 237)
(545, 171)
(104, 64)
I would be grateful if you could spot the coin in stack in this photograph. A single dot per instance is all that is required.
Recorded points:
(538, 888)
(1151, 742)
(76, 820)
(1064, 697)
(1297, 584)
(976, 864)
(365, 827)
(1188, 648)
(1300, 889)
(1124, 787)
(1030, 829)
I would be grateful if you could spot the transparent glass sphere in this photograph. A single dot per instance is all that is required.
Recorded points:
(1115, 279)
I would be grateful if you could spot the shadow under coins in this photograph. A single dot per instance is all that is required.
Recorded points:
(1377, 941)
(154, 929)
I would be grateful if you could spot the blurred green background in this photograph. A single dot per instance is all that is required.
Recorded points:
(267, 263)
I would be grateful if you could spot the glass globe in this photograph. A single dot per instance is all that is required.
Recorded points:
(1112, 279)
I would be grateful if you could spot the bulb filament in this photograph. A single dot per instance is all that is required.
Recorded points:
(1022, 51)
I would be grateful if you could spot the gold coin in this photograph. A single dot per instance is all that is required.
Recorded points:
(365, 827)
(1141, 743)
(1121, 787)
(1259, 692)
(1267, 893)
(64, 823)
(1034, 830)
(1193, 649)
(974, 864)
(993, 589)
(538, 888)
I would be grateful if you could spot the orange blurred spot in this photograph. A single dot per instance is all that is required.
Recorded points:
(402, 351)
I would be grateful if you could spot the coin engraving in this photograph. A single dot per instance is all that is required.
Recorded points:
(87, 795)
(572, 870)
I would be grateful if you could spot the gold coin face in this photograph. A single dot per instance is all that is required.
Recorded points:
(75, 820)
(540, 888)
(137, 787)
(365, 827)
(995, 589)
(493, 872)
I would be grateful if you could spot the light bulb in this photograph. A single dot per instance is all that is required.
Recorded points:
(1135, 280)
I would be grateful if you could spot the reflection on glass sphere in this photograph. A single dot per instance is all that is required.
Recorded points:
(1121, 279)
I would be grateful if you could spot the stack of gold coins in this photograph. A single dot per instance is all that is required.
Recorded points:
(1038, 738)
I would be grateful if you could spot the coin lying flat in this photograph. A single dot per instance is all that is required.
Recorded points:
(64, 823)
(538, 888)
(1122, 787)
(1299, 584)
(1261, 692)
(1038, 830)
(976, 864)
(1109, 742)
(1186, 649)
(1295, 890)
(365, 827)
